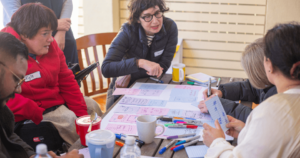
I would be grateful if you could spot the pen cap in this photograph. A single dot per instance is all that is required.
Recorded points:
(178, 148)
(162, 150)
(129, 140)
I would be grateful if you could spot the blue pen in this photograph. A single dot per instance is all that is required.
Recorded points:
(187, 140)
(185, 145)
(161, 151)
(157, 80)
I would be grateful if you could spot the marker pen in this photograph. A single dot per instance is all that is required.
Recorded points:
(181, 136)
(187, 140)
(183, 126)
(166, 147)
(185, 145)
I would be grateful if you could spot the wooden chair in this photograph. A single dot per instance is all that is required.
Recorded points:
(93, 41)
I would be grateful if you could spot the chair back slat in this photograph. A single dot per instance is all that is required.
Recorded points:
(84, 43)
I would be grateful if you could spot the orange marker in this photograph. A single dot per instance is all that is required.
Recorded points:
(119, 143)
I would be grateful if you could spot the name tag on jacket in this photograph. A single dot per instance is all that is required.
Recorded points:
(158, 53)
(32, 76)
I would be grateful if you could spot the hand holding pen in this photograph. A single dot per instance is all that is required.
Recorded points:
(213, 92)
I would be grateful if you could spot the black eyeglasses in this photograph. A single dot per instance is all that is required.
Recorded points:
(148, 18)
(21, 81)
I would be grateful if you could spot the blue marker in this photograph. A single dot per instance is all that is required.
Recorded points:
(187, 140)
(161, 151)
(157, 80)
(185, 145)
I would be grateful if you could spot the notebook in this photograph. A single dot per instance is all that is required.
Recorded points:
(201, 78)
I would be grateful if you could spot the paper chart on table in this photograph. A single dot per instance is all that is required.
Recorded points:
(121, 118)
(139, 92)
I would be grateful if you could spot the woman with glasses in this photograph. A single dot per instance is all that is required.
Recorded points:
(50, 91)
(144, 46)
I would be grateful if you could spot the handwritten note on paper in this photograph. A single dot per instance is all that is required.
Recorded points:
(122, 128)
(175, 112)
(161, 103)
(123, 118)
(198, 151)
(153, 111)
(126, 91)
(150, 92)
(188, 87)
(217, 111)
(203, 116)
(184, 92)
(134, 101)
(127, 109)
(153, 86)
(182, 99)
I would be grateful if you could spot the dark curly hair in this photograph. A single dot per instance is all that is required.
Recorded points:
(136, 7)
(282, 48)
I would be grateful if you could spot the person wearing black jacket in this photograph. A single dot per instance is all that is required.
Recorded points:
(144, 46)
(256, 89)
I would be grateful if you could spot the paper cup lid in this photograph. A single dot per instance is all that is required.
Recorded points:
(86, 120)
(100, 137)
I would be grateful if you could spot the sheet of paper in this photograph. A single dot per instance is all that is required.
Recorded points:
(153, 86)
(184, 92)
(152, 111)
(175, 112)
(123, 118)
(150, 92)
(134, 101)
(126, 91)
(188, 87)
(201, 77)
(182, 99)
(85, 152)
(217, 111)
(122, 128)
(127, 109)
(198, 151)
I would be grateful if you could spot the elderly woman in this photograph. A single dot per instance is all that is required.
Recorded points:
(49, 87)
(256, 89)
(273, 128)
(144, 47)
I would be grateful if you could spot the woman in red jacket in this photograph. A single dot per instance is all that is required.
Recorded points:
(49, 85)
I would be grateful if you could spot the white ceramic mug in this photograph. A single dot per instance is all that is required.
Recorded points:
(146, 126)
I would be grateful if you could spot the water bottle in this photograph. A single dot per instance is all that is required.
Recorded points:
(42, 151)
(130, 149)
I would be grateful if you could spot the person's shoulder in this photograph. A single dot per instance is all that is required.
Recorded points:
(129, 28)
(169, 24)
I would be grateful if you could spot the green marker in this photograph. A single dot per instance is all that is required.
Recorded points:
(169, 124)
(193, 83)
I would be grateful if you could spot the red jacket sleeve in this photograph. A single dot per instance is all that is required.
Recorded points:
(24, 108)
(69, 88)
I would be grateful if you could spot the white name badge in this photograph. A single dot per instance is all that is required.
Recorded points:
(32, 76)
(158, 53)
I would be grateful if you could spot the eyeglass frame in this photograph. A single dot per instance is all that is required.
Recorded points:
(153, 15)
(21, 81)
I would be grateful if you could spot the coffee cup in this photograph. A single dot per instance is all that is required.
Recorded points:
(82, 124)
(178, 72)
(101, 143)
(146, 126)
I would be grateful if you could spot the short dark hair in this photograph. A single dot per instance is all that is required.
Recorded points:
(30, 17)
(11, 46)
(136, 7)
(282, 47)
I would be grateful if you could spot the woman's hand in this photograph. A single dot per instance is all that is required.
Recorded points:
(235, 126)
(123, 81)
(210, 133)
(202, 105)
(152, 68)
(213, 91)
(60, 39)
(63, 24)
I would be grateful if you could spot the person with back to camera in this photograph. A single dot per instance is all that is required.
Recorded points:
(272, 128)
(256, 89)
(50, 91)
(144, 46)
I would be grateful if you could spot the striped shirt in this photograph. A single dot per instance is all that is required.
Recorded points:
(150, 38)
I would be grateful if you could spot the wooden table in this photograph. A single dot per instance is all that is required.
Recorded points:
(153, 148)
